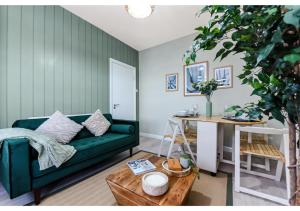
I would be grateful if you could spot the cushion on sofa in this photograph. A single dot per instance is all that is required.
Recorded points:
(97, 124)
(89, 148)
(120, 128)
(60, 127)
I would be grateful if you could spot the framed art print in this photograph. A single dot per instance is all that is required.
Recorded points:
(171, 82)
(194, 73)
(223, 75)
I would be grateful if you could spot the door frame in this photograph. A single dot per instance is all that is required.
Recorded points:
(111, 61)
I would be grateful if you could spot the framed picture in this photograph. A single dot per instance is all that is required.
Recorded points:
(194, 73)
(171, 82)
(223, 75)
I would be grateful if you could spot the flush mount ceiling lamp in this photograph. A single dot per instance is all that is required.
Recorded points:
(139, 10)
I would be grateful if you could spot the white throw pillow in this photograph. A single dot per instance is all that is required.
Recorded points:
(60, 127)
(97, 124)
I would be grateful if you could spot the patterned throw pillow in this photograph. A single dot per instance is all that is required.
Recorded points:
(60, 127)
(97, 124)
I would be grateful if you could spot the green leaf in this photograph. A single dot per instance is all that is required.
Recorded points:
(256, 84)
(296, 50)
(227, 44)
(292, 16)
(264, 53)
(278, 115)
(235, 36)
(276, 38)
(263, 77)
(233, 108)
(221, 51)
(225, 54)
(292, 58)
(271, 11)
(210, 45)
(245, 37)
(245, 80)
(274, 81)
(259, 92)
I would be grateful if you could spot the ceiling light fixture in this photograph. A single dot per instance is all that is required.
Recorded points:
(139, 10)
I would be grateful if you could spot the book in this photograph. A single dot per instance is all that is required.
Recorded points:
(140, 166)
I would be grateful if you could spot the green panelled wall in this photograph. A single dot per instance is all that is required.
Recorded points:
(50, 59)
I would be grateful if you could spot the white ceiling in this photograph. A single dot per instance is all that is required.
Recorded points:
(165, 24)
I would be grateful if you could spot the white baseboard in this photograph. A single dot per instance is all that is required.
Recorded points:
(149, 135)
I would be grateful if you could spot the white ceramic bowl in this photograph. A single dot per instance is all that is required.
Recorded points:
(155, 183)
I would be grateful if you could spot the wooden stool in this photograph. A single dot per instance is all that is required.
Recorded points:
(263, 150)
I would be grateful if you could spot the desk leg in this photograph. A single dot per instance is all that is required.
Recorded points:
(233, 144)
(237, 170)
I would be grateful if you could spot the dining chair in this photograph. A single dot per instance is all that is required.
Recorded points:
(177, 137)
(262, 150)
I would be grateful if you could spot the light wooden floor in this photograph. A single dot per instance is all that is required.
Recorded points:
(151, 145)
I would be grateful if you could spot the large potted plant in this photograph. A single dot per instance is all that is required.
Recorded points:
(207, 88)
(269, 39)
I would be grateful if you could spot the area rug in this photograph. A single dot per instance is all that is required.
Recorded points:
(94, 190)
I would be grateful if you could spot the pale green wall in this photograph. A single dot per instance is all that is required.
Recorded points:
(53, 60)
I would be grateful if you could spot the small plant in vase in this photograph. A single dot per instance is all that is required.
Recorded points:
(186, 162)
(207, 88)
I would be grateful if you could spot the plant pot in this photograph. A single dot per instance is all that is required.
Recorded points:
(184, 162)
(208, 108)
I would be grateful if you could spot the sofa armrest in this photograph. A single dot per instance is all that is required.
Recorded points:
(15, 166)
(130, 122)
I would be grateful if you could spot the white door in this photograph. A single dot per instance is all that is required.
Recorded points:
(122, 90)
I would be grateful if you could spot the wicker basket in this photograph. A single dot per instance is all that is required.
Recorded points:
(182, 173)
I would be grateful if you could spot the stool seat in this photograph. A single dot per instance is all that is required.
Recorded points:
(263, 150)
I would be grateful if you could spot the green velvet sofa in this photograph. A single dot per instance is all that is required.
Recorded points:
(19, 167)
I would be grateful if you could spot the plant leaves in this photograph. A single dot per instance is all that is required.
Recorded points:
(276, 38)
(227, 44)
(292, 58)
(264, 53)
(292, 16)
(278, 115)
(221, 51)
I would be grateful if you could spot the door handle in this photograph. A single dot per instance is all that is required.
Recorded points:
(116, 105)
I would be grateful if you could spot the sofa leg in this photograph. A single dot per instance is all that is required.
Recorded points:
(130, 150)
(37, 196)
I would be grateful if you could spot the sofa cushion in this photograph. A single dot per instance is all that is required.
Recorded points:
(97, 124)
(60, 127)
(89, 148)
(122, 128)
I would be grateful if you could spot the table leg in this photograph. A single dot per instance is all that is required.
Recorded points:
(221, 141)
(237, 159)
(233, 144)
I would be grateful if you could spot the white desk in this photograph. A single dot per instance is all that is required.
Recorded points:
(210, 135)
